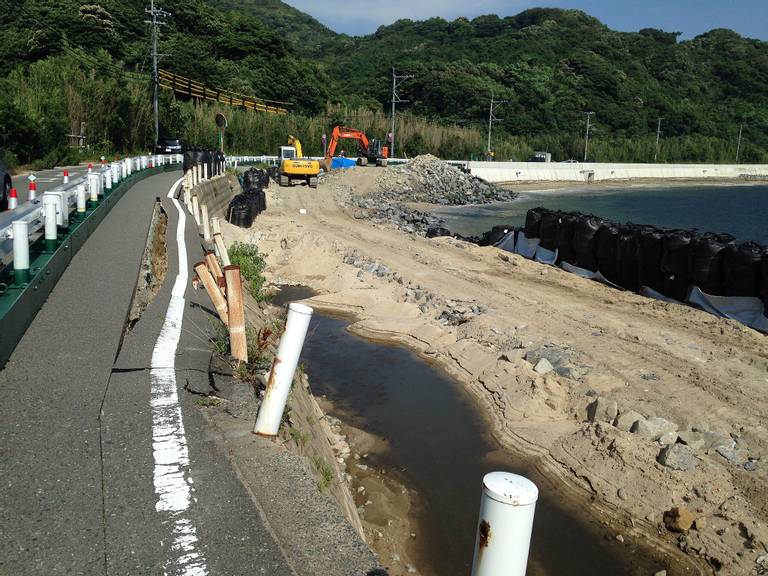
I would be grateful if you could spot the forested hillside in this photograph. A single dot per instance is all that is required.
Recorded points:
(65, 62)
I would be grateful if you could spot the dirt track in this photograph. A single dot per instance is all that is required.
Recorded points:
(658, 359)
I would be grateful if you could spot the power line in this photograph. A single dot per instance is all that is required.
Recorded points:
(157, 15)
(397, 81)
(586, 141)
(492, 118)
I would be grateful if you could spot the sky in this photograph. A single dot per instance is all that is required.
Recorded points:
(691, 17)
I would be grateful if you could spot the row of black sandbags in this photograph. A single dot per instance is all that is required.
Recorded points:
(214, 159)
(252, 201)
(668, 261)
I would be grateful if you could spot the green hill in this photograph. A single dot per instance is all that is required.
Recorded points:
(91, 61)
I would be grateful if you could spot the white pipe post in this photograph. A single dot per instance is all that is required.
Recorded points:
(93, 187)
(205, 171)
(504, 529)
(50, 205)
(81, 201)
(108, 180)
(20, 251)
(283, 370)
(206, 223)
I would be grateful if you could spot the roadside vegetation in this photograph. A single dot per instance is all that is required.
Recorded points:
(68, 67)
(251, 267)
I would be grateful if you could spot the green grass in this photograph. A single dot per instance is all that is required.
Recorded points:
(251, 267)
(325, 471)
(219, 337)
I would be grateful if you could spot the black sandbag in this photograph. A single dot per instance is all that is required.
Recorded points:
(764, 277)
(495, 234)
(651, 251)
(675, 263)
(470, 239)
(608, 251)
(585, 242)
(262, 201)
(263, 178)
(565, 252)
(239, 212)
(628, 252)
(188, 159)
(742, 269)
(251, 180)
(550, 226)
(533, 223)
(707, 262)
(437, 232)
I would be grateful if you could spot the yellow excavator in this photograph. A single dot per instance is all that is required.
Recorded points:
(294, 166)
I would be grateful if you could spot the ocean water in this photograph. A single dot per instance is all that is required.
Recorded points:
(740, 210)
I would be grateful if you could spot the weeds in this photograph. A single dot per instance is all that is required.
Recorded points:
(251, 267)
(300, 438)
(208, 401)
(219, 337)
(325, 471)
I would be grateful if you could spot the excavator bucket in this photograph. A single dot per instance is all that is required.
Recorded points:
(326, 164)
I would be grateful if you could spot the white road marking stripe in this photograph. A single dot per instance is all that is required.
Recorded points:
(173, 484)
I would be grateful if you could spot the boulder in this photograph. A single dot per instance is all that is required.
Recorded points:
(677, 457)
(679, 519)
(626, 419)
(694, 440)
(668, 438)
(602, 410)
(715, 440)
(543, 366)
(653, 428)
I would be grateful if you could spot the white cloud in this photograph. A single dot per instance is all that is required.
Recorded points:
(364, 16)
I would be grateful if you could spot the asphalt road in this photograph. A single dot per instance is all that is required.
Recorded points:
(46, 180)
(78, 462)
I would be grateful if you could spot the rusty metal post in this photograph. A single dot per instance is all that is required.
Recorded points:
(504, 530)
(212, 287)
(237, 340)
(223, 254)
(283, 370)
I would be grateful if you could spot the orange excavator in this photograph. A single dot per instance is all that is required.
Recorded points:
(369, 150)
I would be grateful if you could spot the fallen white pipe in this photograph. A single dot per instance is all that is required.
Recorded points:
(283, 370)
(503, 538)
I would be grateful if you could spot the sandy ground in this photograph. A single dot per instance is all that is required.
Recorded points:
(658, 359)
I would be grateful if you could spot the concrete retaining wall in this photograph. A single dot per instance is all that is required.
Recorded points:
(217, 193)
(594, 172)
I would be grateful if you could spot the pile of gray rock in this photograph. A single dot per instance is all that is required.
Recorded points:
(679, 448)
(429, 179)
(397, 215)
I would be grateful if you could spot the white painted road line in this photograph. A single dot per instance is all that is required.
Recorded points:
(172, 477)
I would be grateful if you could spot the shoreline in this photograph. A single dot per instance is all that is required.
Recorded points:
(478, 315)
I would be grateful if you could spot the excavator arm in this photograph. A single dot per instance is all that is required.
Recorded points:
(342, 132)
(296, 143)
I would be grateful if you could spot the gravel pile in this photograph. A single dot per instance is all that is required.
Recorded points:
(429, 179)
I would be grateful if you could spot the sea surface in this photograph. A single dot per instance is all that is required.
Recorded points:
(740, 210)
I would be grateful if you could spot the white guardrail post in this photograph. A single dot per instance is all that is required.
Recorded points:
(20, 252)
(283, 369)
(504, 529)
(50, 206)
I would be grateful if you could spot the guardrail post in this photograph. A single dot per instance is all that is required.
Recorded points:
(81, 202)
(50, 204)
(196, 209)
(108, 180)
(93, 190)
(205, 171)
(283, 369)
(504, 529)
(20, 252)
(236, 313)
(212, 287)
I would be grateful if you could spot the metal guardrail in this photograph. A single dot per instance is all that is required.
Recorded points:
(20, 226)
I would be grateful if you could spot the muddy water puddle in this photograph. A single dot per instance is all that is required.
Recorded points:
(438, 446)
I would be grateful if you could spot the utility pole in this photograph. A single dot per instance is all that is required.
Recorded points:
(397, 81)
(157, 15)
(491, 119)
(658, 136)
(738, 145)
(586, 142)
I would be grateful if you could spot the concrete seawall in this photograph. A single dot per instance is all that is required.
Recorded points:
(595, 172)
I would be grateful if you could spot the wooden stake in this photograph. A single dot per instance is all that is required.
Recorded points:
(237, 340)
(223, 254)
(213, 291)
(206, 222)
(213, 266)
